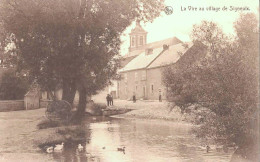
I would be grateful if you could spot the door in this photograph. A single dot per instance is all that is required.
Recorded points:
(144, 94)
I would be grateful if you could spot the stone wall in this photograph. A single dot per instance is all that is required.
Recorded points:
(11, 105)
(133, 83)
(44, 103)
(146, 84)
(154, 84)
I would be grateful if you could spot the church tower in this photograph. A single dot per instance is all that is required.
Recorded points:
(137, 37)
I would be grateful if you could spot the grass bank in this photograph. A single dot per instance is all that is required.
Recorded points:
(152, 110)
(50, 133)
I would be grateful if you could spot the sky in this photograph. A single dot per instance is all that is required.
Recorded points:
(180, 22)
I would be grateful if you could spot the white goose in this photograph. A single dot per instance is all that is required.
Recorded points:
(58, 148)
(49, 149)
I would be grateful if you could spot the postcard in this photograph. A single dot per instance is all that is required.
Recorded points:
(129, 80)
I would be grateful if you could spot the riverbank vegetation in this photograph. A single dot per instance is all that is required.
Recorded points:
(225, 82)
(51, 133)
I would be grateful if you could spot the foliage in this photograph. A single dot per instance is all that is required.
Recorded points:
(225, 81)
(13, 87)
(99, 106)
(72, 44)
(44, 124)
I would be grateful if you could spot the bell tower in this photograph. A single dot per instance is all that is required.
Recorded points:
(137, 37)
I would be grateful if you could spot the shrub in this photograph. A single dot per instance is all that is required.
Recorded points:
(13, 87)
(99, 106)
(226, 82)
(47, 124)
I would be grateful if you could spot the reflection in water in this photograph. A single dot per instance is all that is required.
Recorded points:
(144, 140)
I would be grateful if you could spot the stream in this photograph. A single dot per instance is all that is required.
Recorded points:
(144, 141)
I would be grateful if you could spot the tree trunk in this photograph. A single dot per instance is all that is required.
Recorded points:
(68, 91)
(82, 103)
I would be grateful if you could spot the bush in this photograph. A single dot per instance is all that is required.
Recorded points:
(48, 124)
(226, 82)
(99, 106)
(13, 87)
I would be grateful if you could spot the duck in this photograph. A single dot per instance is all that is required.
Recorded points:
(88, 155)
(121, 149)
(49, 149)
(207, 148)
(80, 147)
(59, 147)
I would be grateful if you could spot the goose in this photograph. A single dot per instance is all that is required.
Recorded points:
(121, 149)
(49, 149)
(59, 147)
(80, 147)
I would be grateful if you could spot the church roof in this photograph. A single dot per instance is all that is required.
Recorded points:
(170, 56)
(138, 29)
(157, 44)
(169, 41)
(142, 61)
(159, 57)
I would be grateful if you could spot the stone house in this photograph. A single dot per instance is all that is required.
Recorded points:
(141, 73)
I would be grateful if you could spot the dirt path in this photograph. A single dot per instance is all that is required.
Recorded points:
(17, 133)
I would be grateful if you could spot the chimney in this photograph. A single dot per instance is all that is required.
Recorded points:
(165, 47)
(148, 51)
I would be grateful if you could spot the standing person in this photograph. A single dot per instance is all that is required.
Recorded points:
(111, 100)
(134, 98)
(160, 97)
(108, 100)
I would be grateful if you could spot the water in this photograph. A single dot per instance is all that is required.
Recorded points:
(144, 141)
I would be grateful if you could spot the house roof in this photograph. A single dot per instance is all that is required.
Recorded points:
(170, 56)
(134, 53)
(142, 61)
(169, 41)
(159, 57)
(157, 44)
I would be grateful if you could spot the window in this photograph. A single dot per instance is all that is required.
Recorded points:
(136, 37)
(135, 88)
(136, 76)
(133, 41)
(141, 40)
(160, 91)
(152, 88)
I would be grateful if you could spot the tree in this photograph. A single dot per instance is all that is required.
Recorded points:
(226, 82)
(13, 87)
(72, 44)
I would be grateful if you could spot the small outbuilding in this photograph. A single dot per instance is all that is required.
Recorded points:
(32, 99)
